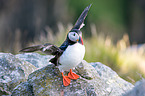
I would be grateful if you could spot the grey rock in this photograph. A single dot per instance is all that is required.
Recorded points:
(12, 72)
(36, 59)
(113, 83)
(138, 90)
(95, 79)
(27, 90)
(18, 73)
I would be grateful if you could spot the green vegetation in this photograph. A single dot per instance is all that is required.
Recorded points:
(128, 63)
(109, 16)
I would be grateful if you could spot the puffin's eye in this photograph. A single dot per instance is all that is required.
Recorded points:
(73, 36)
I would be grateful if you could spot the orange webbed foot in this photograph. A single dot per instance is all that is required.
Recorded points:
(72, 75)
(66, 80)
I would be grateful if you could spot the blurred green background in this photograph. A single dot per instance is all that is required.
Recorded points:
(114, 31)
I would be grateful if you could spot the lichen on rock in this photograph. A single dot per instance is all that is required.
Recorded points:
(32, 74)
(48, 81)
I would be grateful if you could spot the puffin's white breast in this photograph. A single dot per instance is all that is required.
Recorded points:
(71, 57)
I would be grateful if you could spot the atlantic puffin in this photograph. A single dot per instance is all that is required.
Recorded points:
(70, 53)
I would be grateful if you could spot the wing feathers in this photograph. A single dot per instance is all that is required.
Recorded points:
(46, 48)
(80, 22)
(31, 49)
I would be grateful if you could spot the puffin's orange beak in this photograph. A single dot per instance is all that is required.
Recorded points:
(82, 41)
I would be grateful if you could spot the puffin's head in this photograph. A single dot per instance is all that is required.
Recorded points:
(75, 35)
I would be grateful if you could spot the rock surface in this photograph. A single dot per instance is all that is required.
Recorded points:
(113, 83)
(19, 73)
(36, 59)
(95, 79)
(138, 90)
(12, 72)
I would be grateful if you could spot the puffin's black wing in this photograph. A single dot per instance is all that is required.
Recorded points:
(80, 22)
(46, 48)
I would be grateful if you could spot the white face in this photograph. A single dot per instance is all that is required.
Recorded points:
(73, 36)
